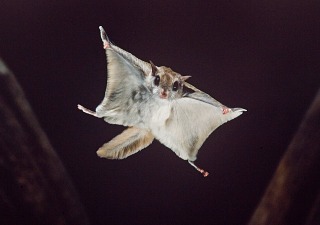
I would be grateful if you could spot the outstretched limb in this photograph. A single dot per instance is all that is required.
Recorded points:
(88, 111)
(107, 45)
(204, 173)
(104, 38)
(225, 109)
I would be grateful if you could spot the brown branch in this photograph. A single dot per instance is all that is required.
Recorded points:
(34, 186)
(292, 196)
(314, 215)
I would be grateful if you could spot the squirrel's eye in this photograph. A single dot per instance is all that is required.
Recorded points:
(157, 80)
(175, 86)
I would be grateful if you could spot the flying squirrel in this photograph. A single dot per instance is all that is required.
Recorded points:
(155, 102)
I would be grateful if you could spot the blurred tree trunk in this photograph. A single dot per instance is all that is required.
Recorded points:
(293, 195)
(34, 186)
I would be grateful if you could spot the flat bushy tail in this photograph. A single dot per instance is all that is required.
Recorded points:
(125, 144)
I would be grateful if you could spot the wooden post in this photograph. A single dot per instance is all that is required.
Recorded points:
(34, 186)
(293, 195)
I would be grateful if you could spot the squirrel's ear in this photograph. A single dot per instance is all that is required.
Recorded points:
(153, 68)
(184, 78)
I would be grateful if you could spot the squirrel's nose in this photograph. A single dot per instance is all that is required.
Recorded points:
(163, 93)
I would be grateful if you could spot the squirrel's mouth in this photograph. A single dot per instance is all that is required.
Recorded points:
(163, 94)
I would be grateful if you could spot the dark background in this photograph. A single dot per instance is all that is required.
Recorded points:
(259, 55)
